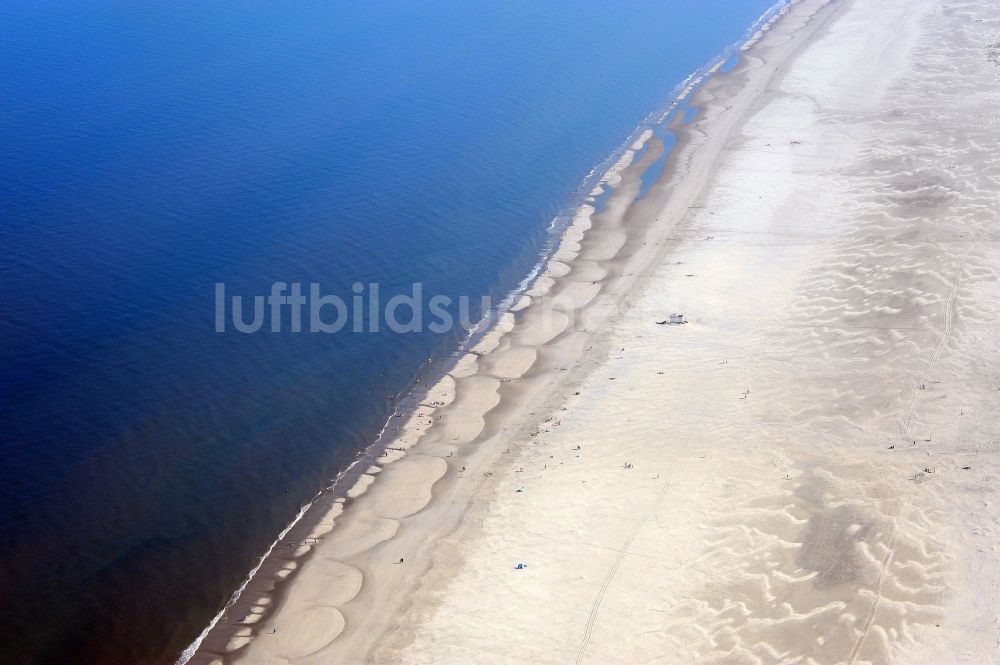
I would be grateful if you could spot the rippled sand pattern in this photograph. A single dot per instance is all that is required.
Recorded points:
(875, 386)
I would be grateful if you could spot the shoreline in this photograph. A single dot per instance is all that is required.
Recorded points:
(253, 608)
(590, 233)
(596, 184)
(267, 583)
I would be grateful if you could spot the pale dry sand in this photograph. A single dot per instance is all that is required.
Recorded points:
(781, 480)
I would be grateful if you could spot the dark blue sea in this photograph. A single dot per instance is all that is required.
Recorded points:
(150, 150)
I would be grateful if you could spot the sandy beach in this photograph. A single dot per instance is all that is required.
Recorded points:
(803, 472)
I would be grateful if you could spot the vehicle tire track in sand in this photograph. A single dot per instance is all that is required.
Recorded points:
(596, 607)
(906, 422)
(877, 590)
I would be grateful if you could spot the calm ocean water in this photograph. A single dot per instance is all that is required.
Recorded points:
(152, 149)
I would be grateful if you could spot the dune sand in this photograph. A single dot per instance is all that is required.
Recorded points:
(803, 473)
